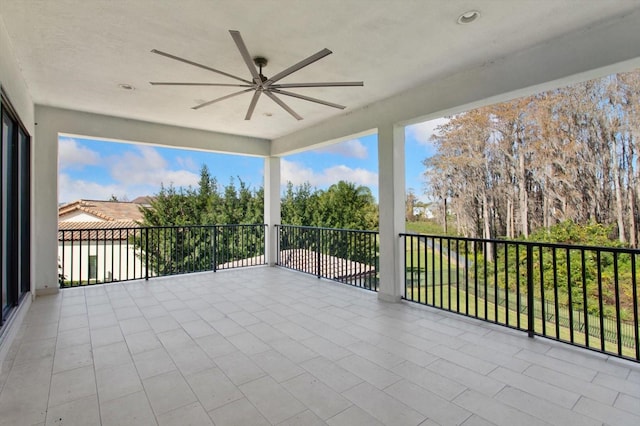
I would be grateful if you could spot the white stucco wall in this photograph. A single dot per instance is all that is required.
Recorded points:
(12, 82)
(114, 260)
(15, 88)
(79, 216)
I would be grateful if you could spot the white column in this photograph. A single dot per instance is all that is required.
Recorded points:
(44, 205)
(391, 206)
(271, 206)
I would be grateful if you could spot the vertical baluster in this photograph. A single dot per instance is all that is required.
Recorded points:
(634, 287)
(542, 298)
(127, 252)
(466, 276)
(570, 291)
(585, 308)
(518, 294)
(530, 307)
(616, 283)
(475, 275)
(448, 274)
(600, 301)
(555, 291)
(506, 283)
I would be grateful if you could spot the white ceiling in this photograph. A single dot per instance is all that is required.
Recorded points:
(74, 54)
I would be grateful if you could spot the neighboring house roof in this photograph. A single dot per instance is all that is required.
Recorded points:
(118, 220)
(332, 267)
(105, 210)
(97, 231)
(144, 200)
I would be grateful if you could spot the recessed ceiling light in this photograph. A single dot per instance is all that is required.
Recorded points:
(268, 114)
(468, 17)
(125, 86)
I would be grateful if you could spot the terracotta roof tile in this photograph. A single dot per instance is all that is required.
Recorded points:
(332, 267)
(107, 210)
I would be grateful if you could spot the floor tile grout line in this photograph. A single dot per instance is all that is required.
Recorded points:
(55, 350)
(95, 371)
(144, 389)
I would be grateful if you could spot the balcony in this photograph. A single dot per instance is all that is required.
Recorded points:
(266, 345)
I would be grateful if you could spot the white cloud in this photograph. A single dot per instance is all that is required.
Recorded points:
(297, 174)
(145, 166)
(422, 132)
(187, 163)
(73, 189)
(351, 148)
(71, 155)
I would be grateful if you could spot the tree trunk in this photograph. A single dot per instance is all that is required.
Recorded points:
(444, 216)
(509, 218)
(618, 191)
(633, 236)
(486, 225)
(523, 198)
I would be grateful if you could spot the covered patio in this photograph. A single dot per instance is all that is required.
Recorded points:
(268, 346)
(265, 345)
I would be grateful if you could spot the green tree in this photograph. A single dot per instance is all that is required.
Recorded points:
(300, 205)
(347, 206)
(181, 236)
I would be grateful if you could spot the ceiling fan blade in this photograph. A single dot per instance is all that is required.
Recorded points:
(221, 99)
(283, 105)
(329, 84)
(311, 59)
(252, 105)
(163, 83)
(245, 55)
(307, 98)
(195, 64)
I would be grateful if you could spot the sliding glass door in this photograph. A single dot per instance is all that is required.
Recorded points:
(15, 206)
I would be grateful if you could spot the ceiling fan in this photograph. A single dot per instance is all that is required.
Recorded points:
(260, 84)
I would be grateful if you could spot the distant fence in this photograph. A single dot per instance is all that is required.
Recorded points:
(101, 255)
(585, 296)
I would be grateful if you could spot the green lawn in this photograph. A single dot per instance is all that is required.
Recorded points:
(434, 284)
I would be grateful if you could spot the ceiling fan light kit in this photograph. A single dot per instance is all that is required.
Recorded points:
(259, 83)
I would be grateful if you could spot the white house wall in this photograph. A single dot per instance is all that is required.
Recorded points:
(80, 216)
(115, 260)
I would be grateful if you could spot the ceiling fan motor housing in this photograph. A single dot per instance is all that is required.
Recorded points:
(260, 61)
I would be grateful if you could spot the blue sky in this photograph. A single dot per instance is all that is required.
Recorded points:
(97, 169)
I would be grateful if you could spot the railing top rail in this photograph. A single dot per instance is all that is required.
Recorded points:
(327, 229)
(116, 228)
(233, 225)
(625, 250)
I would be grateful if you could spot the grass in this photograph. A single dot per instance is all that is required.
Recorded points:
(434, 284)
(449, 298)
(427, 227)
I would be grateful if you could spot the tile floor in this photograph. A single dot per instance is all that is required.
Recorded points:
(268, 346)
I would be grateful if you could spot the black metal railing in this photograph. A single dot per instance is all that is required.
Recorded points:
(585, 296)
(101, 254)
(343, 255)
